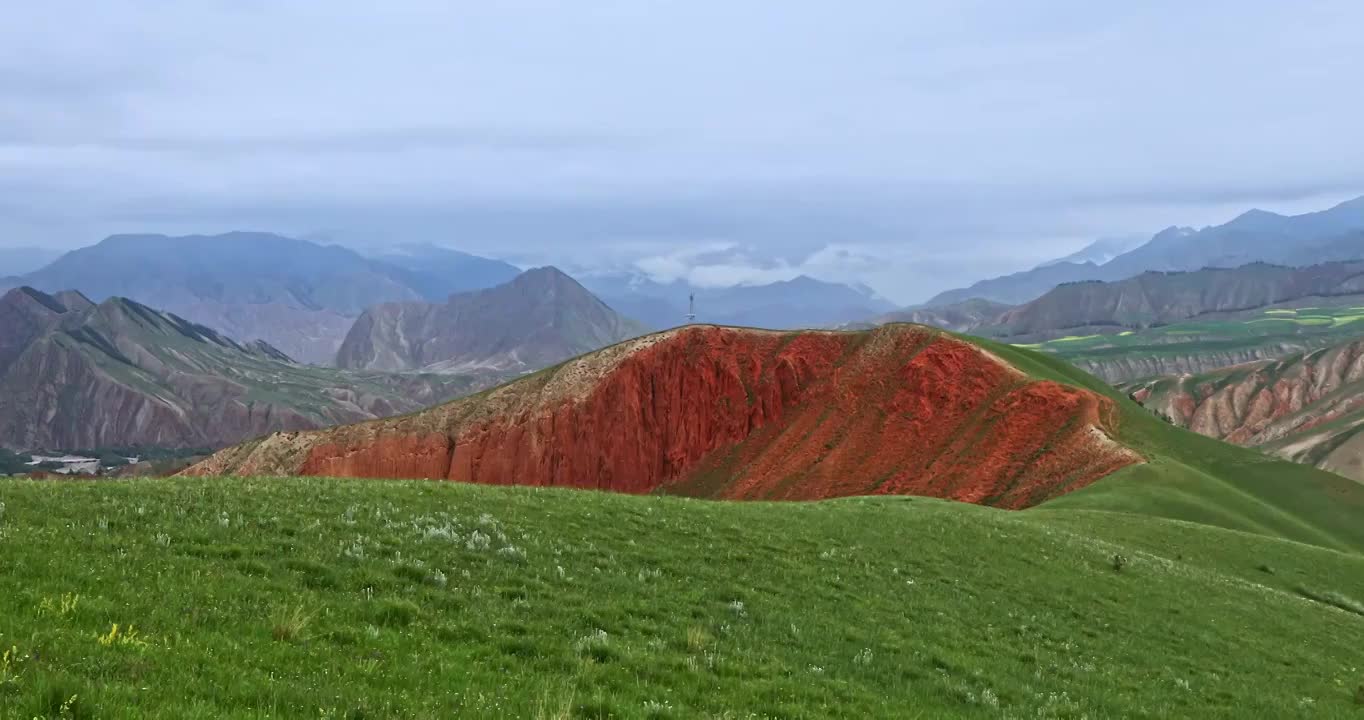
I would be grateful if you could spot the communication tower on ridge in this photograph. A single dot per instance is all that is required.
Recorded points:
(691, 308)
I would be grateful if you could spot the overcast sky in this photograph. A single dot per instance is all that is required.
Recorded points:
(914, 146)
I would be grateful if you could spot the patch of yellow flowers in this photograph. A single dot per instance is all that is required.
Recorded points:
(60, 606)
(122, 637)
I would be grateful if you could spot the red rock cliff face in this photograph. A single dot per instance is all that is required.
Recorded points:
(1306, 407)
(745, 414)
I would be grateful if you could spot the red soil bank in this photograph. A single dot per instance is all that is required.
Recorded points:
(731, 413)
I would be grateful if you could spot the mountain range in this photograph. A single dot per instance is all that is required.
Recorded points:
(742, 413)
(1160, 298)
(539, 318)
(801, 302)
(1151, 299)
(77, 374)
(1333, 234)
(1101, 251)
(298, 296)
(965, 316)
(303, 297)
(436, 272)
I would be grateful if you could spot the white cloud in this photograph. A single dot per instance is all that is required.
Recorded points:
(914, 146)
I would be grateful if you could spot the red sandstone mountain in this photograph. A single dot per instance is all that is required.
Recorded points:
(1307, 407)
(736, 413)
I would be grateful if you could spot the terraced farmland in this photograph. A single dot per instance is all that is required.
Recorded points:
(1202, 345)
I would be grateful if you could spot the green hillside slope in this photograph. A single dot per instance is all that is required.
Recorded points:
(1191, 477)
(332, 598)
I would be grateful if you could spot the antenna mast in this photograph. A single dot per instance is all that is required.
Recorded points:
(691, 308)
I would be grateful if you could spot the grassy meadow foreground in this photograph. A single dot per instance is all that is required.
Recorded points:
(320, 598)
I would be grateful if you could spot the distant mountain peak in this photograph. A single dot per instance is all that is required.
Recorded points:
(1173, 232)
(544, 273)
(1255, 217)
(73, 300)
(1099, 252)
(539, 318)
(548, 280)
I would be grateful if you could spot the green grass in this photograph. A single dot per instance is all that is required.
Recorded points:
(326, 598)
(1267, 330)
(1190, 477)
(1209, 581)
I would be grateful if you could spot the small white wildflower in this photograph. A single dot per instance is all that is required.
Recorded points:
(863, 657)
(597, 638)
(443, 532)
(438, 578)
(478, 541)
(512, 552)
(103, 523)
(737, 607)
(355, 549)
(163, 539)
(988, 698)
(560, 569)
(224, 519)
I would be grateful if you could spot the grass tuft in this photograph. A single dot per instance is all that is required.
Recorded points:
(289, 623)
(396, 612)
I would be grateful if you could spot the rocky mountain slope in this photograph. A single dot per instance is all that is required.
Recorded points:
(1329, 235)
(1307, 407)
(736, 413)
(1173, 322)
(75, 374)
(1020, 287)
(299, 296)
(540, 318)
(1160, 298)
(1128, 365)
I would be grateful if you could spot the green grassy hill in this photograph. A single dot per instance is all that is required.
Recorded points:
(1208, 582)
(335, 598)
